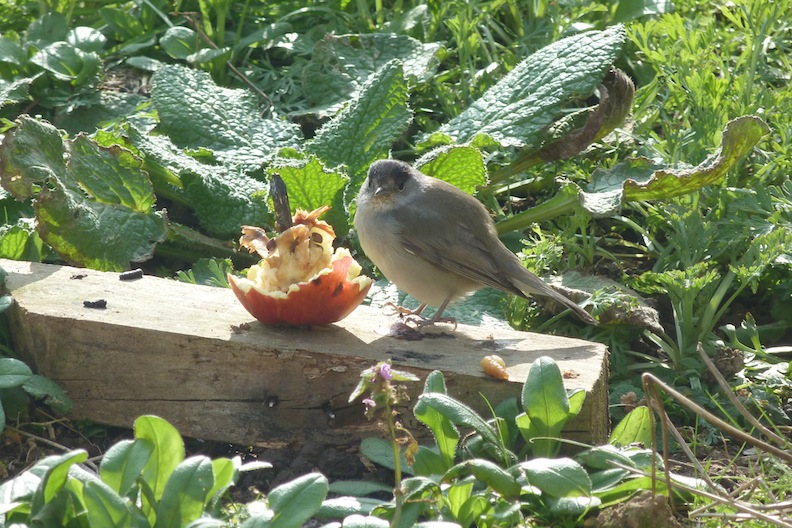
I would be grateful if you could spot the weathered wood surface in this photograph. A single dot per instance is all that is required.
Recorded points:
(168, 348)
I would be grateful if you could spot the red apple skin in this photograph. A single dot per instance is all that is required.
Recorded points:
(321, 300)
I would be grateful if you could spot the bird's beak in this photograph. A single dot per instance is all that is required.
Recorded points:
(380, 191)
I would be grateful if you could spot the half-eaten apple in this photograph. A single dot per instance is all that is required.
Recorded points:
(300, 280)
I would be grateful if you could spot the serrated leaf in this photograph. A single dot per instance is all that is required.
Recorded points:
(311, 185)
(341, 64)
(14, 92)
(460, 166)
(642, 179)
(106, 229)
(223, 198)
(515, 111)
(230, 126)
(366, 129)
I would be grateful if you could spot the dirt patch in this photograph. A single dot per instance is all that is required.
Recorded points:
(644, 510)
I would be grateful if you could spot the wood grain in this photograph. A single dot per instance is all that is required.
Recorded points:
(175, 350)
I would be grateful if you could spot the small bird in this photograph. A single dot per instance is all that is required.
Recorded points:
(436, 242)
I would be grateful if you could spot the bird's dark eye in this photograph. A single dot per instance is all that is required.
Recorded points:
(400, 185)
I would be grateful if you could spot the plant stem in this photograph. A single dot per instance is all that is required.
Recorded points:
(564, 202)
(398, 496)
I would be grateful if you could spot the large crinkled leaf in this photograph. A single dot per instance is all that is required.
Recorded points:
(340, 64)
(310, 186)
(196, 113)
(460, 166)
(367, 128)
(223, 197)
(93, 204)
(642, 179)
(516, 111)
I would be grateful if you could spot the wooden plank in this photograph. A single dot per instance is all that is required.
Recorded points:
(168, 348)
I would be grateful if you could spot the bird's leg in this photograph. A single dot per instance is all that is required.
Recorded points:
(438, 316)
(403, 310)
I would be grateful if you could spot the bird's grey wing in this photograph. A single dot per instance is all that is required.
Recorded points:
(456, 249)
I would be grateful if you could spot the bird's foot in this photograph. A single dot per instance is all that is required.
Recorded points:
(408, 316)
(423, 321)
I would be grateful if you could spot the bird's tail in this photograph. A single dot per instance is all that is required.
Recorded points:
(530, 284)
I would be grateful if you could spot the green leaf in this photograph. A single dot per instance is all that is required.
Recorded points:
(460, 166)
(67, 62)
(123, 463)
(458, 413)
(11, 52)
(13, 373)
(642, 179)
(55, 478)
(230, 126)
(359, 521)
(310, 186)
(208, 272)
(366, 129)
(179, 42)
(559, 477)
(185, 493)
(104, 507)
(342, 507)
(380, 451)
(167, 454)
(20, 241)
(106, 229)
(341, 64)
(49, 392)
(225, 473)
(545, 401)
(445, 434)
(601, 457)
(86, 39)
(571, 506)
(358, 488)
(636, 427)
(296, 501)
(14, 92)
(223, 197)
(487, 472)
(628, 10)
(125, 26)
(48, 28)
(515, 112)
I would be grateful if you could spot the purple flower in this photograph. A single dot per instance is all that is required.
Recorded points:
(384, 371)
(368, 402)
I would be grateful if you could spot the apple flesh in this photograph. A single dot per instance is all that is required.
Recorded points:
(300, 280)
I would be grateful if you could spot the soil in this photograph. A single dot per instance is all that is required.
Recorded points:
(23, 444)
